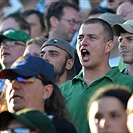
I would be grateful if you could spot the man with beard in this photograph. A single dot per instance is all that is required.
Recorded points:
(60, 54)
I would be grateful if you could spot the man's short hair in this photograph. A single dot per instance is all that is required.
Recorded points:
(108, 32)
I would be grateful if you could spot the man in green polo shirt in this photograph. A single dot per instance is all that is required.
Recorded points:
(94, 43)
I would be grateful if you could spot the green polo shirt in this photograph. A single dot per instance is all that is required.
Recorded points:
(78, 93)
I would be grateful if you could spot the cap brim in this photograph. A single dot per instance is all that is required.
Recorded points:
(119, 28)
(2, 37)
(8, 73)
(6, 117)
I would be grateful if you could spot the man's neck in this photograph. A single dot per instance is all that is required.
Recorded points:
(6, 66)
(130, 70)
(53, 34)
(61, 79)
(90, 75)
(114, 53)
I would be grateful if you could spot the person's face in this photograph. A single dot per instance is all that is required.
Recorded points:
(19, 127)
(56, 57)
(8, 54)
(92, 48)
(130, 115)
(33, 49)
(107, 115)
(64, 28)
(34, 22)
(125, 10)
(126, 47)
(9, 23)
(20, 95)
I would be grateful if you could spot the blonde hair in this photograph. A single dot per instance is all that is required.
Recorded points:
(38, 40)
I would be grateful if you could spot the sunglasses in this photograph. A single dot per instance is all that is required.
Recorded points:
(25, 80)
(17, 130)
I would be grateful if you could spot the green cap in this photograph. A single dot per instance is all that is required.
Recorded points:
(33, 119)
(18, 35)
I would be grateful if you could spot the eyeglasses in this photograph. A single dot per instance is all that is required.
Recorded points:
(17, 130)
(11, 43)
(129, 39)
(72, 22)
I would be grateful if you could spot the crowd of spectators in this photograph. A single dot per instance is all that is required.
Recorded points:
(66, 66)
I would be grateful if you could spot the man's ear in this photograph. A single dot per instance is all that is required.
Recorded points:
(54, 21)
(109, 46)
(47, 91)
(69, 64)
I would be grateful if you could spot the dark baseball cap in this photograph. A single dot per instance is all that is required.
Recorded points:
(29, 66)
(62, 44)
(18, 35)
(125, 27)
(33, 119)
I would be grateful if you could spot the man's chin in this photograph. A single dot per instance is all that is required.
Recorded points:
(15, 107)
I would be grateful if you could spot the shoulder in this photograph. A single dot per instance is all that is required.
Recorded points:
(124, 79)
(115, 72)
